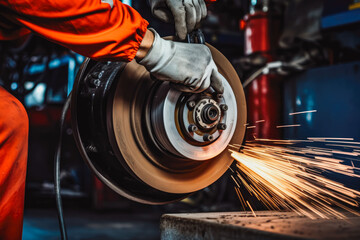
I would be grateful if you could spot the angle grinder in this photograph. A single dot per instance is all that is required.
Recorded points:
(149, 142)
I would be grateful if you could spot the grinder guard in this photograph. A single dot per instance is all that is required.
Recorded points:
(144, 140)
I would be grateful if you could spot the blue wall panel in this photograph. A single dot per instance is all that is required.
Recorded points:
(334, 91)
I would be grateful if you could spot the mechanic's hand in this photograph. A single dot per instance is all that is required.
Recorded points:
(185, 13)
(188, 65)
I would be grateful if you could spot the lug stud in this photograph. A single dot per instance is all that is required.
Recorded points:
(217, 95)
(221, 126)
(192, 128)
(191, 104)
(208, 137)
(224, 107)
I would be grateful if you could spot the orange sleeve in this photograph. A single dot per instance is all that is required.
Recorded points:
(99, 29)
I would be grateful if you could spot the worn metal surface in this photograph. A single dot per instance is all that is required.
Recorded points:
(113, 121)
(267, 225)
(141, 149)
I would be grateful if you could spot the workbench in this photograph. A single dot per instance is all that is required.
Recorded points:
(266, 225)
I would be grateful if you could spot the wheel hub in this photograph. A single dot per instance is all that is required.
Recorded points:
(193, 126)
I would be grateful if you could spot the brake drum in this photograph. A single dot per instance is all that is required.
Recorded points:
(146, 140)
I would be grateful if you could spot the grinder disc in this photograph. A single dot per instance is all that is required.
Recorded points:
(138, 151)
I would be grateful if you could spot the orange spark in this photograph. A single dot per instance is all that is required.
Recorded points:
(286, 126)
(291, 178)
(295, 113)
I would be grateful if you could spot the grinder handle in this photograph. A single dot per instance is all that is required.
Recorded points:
(196, 36)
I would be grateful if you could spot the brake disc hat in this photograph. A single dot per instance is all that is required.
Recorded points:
(133, 131)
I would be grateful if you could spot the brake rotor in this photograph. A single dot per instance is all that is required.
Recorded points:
(146, 140)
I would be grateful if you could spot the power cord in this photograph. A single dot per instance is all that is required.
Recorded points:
(57, 171)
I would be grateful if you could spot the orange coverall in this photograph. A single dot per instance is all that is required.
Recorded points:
(100, 29)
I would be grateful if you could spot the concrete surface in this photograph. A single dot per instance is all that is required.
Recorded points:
(90, 225)
(267, 225)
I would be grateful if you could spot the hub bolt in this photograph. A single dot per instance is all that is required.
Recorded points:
(224, 107)
(191, 104)
(94, 83)
(93, 80)
(221, 126)
(208, 137)
(192, 128)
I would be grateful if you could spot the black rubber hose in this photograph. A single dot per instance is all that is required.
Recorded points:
(57, 171)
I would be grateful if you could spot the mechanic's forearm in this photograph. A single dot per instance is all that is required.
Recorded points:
(93, 28)
(145, 45)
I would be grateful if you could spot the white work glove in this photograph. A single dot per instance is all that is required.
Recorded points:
(190, 66)
(185, 13)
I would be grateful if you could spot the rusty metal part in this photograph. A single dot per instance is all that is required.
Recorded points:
(116, 118)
